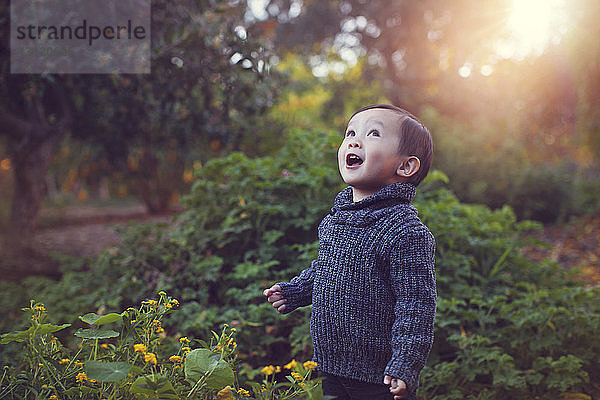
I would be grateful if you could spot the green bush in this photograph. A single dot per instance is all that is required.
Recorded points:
(491, 164)
(506, 327)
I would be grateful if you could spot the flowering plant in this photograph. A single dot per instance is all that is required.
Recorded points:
(128, 355)
(299, 385)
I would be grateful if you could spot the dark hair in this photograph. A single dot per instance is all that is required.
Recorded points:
(415, 140)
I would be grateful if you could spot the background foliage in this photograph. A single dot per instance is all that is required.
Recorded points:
(506, 327)
(235, 122)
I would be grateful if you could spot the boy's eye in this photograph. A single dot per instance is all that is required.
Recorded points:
(374, 133)
(350, 133)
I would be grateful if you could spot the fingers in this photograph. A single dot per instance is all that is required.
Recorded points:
(397, 386)
(271, 290)
(275, 297)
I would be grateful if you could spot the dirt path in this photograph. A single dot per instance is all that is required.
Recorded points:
(86, 231)
(573, 245)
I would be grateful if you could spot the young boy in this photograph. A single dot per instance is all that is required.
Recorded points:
(372, 285)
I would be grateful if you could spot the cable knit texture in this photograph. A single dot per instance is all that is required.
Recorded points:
(372, 288)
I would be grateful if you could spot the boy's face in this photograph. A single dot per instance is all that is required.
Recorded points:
(368, 157)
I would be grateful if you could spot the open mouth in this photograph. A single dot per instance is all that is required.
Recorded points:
(353, 159)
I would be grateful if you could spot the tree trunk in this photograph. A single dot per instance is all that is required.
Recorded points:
(33, 136)
(30, 172)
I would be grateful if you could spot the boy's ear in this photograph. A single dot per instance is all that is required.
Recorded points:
(409, 166)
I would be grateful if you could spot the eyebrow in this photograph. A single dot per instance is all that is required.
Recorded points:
(372, 120)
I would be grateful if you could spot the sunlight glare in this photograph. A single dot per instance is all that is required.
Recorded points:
(533, 24)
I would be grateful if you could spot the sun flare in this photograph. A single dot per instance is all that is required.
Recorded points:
(532, 25)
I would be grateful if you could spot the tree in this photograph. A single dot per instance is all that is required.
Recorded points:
(33, 127)
(210, 82)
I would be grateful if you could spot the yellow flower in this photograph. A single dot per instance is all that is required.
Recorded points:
(268, 370)
(291, 365)
(233, 330)
(153, 303)
(184, 340)
(244, 392)
(162, 293)
(78, 364)
(104, 346)
(186, 350)
(150, 358)
(160, 330)
(310, 365)
(156, 322)
(174, 302)
(133, 321)
(40, 307)
(139, 348)
(81, 377)
(296, 376)
(64, 361)
(53, 397)
(225, 394)
(168, 306)
(175, 359)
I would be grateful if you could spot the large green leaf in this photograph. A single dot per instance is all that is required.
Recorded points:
(16, 336)
(44, 329)
(95, 319)
(154, 387)
(200, 362)
(96, 333)
(106, 371)
(21, 336)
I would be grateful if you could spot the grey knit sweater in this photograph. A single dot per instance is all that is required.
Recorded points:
(372, 288)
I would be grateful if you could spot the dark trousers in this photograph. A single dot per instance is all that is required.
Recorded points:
(340, 388)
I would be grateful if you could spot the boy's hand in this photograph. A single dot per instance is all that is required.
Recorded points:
(397, 386)
(275, 297)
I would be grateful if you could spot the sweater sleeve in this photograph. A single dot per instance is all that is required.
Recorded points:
(298, 292)
(412, 276)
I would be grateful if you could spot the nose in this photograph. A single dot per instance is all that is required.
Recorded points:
(354, 143)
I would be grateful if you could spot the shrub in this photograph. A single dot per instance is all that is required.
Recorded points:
(506, 327)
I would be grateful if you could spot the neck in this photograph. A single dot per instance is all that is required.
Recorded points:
(358, 195)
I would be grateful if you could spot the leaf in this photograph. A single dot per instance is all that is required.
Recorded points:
(96, 333)
(95, 319)
(49, 328)
(200, 362)
(106, 371)
(154, 386)
(16, 336)
(21, 336)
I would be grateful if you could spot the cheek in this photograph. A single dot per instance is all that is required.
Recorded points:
(340, 156)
